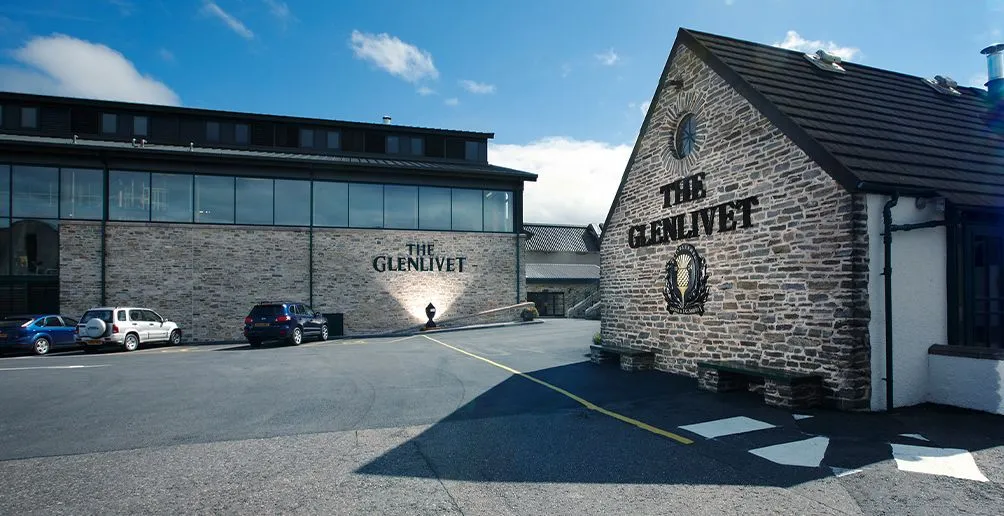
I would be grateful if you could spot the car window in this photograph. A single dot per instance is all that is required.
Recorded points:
(50, 322)
(136, 315)
(14, 321)
(69, 322)
(152, 316)
(307, 310)
(122, 315)
(104, 315)
(266, 310)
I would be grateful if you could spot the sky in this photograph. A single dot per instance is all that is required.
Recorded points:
(563, 84)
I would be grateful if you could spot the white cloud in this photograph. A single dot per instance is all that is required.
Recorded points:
(166, 55)
(477, 87)
(425, 90)
(576, 179)
(394, 56)
(234, 24)
(793, 41)
(644, 107)
(608, 58)
(452, 102)
(66, 66)
(280, 11)
(125, 6)
(730, 2)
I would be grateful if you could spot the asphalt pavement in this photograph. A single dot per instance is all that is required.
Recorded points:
(509, 420)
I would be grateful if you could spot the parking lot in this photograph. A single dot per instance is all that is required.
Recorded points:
(496, 421)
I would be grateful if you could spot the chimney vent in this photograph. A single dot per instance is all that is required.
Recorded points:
(995, 70)
(386, 119)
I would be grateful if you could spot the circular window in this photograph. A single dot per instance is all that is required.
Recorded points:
(686, 136)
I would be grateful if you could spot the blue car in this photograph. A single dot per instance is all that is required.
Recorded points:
(38, 333)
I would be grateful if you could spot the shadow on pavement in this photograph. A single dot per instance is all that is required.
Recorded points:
(520, 431)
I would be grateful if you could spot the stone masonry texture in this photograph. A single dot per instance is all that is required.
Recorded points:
(574, 292)
(207, 277)
(789, 292)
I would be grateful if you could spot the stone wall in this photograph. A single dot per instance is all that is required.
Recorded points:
(790, 291)
(207, 277)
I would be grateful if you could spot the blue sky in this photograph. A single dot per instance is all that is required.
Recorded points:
(562, 83)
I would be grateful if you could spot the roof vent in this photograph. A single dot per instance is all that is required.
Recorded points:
(944, 85)
(386, 119)
(826, 61)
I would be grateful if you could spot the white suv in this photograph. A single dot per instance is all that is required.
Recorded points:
(124, 327)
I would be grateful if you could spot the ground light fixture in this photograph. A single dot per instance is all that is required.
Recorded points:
(430, 312)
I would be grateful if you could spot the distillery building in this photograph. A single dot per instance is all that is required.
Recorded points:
(200, 214)
(563, 269)
(791, 211)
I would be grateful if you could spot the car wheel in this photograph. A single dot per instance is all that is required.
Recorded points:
(131, 342)
(324, 332)
(175, 338)
(41, 346)
(254, 343)
(296, 337)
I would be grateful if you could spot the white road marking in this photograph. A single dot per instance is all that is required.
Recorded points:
(808, 453)
(951, 462)
(403, 338)
(841, 472)
(800, 416)
(915, 436)
(52, 367)
(730, 426)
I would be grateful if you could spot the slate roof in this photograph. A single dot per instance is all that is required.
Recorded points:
(870, 129)
(562, 271)
(547, 238)
(882, 127)
(466, 168)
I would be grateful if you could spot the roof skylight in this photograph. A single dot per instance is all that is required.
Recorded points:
(944, 85)
(826, 61)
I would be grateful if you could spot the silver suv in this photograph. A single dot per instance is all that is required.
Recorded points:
(125, 327)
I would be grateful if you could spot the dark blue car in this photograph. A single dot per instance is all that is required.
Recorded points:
(38, 333)
(283, 320)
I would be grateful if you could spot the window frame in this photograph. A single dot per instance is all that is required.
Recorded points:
(115, 123)
(34, 111)
(146, 126)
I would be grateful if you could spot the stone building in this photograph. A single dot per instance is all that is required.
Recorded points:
(563, 269)
(199, 214)
(791, 211)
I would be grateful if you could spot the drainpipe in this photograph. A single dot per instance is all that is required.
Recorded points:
(104, 229)
(887, 273)
(518, 233)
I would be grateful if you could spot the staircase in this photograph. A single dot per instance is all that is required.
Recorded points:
(582, 309)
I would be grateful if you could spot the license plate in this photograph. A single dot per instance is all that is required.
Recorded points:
(3, 335)
(261, 324)
(94, 342)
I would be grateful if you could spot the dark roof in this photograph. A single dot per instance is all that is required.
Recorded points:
(870, 129)
(869, 125)
(177, 110)
(561, 271)
(430, 165)
(547, 238)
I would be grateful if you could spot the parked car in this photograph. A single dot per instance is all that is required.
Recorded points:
(38, 333)
(125, 327)
(284, 320)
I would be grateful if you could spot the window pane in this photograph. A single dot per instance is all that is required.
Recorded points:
(467, 211)
(81, 193)
(128, 195)
(109, 123)
(400, 207)
(35, 247)
(434, 208)
(331, 204)
(4, 190)
(365, 205)
(392, 145)
(292, 203)
(471, 151)
(213, 131)
(4, 247)
(306, 138)
(498, 211)
(214, 199)
(254, 201)
(36, 192)
(171, 197)
(417, 145)
(139, 125)
(241, 133)
(334, 140)
(29, 117)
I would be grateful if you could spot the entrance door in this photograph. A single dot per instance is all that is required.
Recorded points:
(549, 304)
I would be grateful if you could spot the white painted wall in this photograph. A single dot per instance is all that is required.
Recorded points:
(919, 299)
(967, 382)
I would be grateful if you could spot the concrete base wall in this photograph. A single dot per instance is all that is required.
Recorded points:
(207, 277)
(966, 382)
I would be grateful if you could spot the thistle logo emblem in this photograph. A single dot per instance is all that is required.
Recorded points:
(686, 288)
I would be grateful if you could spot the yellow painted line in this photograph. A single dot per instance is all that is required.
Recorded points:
(588, 404)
